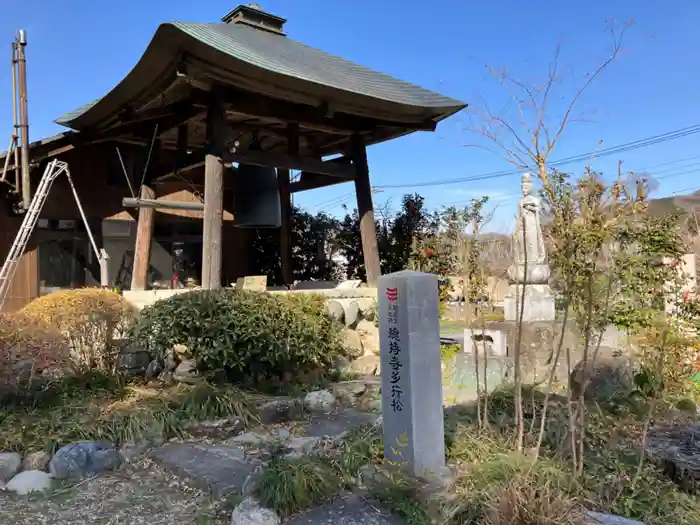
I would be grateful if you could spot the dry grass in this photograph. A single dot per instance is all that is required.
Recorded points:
(143, 495)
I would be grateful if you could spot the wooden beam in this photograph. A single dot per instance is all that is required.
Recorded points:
(128, 202)
(339, 168)
(322, 117)
(142, 249)
(368, 231)
(334, 168)
(313, 181)
(286, 259)
(213, 196)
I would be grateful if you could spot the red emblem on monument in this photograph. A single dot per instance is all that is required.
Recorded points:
(392, 294)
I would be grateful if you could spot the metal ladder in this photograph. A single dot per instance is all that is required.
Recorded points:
(53, 170)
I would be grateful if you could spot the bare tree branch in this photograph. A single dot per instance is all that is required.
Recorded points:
(617, 43)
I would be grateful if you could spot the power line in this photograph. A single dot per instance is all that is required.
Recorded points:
(695, 167)
(614, 150)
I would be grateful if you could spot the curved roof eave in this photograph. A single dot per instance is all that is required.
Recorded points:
(258, 54)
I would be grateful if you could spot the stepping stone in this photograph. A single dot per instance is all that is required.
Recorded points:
(219, 469)
(350, 510)
(337, 423)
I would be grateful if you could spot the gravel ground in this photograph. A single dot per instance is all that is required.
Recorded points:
(135, 495)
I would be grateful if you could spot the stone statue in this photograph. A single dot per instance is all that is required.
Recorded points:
(529, 252)
(529, 273)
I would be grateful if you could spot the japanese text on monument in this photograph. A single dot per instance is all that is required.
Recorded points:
(395, 363)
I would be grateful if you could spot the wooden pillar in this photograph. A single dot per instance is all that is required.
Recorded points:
(213, 197)
(283, 176)
(144, 237)
(363, 190)
(286, 227)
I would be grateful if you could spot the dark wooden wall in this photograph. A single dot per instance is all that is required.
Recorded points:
(101, 186)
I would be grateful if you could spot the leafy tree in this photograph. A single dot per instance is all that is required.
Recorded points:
(397, 237)
(312, 237)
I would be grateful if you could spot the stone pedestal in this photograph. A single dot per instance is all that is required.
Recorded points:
(409, 341)
(538, 305)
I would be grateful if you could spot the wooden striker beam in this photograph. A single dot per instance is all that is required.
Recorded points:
(363, 190)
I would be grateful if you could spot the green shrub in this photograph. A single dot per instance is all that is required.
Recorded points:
(246, 337)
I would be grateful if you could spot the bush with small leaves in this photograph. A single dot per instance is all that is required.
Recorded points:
(245, 337)
(29, 346)
(90, 318)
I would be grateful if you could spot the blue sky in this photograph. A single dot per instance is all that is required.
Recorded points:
(79, 49)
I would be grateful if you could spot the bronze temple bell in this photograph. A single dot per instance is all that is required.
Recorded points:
(256, 200)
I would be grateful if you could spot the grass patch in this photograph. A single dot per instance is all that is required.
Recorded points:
(66, 411)
(288, 487)
(496, 486)
(400, 497)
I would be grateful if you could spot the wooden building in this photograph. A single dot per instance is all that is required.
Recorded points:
(204, 100)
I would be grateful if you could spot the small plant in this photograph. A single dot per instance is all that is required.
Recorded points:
(447, 352)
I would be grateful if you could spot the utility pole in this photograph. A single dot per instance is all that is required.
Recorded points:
(20, 45)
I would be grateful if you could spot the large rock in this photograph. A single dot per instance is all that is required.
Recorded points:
(366, 365)
(335, 311)
(186, 372)
(319, 401)
(153, 369)
(36, 461)
(369, 335)
(281, 410)
(84, 459)
(249, 512)
(353, 343)
(220, 469)
(132, 361)
(677, 450)
(171, 361)
(598, 518)
(217, 428)
(182, 351)
(348, 390)
(607, 377)
(352, 314)
(351, 510)
(10, 463)
(29, 481)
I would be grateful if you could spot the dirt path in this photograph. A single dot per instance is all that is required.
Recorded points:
(143, 495)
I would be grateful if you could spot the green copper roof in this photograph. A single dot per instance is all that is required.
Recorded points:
(285, 56)
(270, 53)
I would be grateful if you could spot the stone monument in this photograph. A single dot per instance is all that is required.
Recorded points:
(529, 273)
(409, 337)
